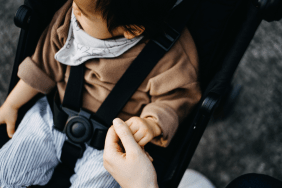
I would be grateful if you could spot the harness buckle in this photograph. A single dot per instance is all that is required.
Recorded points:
(81, 128)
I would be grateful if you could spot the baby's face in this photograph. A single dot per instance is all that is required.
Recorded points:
(93, 24)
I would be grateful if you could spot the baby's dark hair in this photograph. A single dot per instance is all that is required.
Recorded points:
(149, 14)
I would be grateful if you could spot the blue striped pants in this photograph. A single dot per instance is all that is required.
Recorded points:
(31, 156)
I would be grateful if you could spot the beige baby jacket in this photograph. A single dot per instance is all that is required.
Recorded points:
(167, 95)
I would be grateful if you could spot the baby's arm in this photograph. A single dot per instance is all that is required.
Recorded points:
(20, 95)
(143, 129)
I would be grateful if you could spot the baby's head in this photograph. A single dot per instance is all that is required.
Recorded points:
(105, 19)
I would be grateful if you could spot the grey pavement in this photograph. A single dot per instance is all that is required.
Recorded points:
(249, 139)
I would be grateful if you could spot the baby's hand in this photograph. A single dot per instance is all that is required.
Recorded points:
(8, 116)
(143, 129)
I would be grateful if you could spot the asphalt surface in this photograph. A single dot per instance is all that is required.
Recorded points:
(249, 139)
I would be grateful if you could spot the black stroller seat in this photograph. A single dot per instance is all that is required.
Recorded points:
(222, 31)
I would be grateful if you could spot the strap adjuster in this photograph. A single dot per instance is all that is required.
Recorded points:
(167, 39)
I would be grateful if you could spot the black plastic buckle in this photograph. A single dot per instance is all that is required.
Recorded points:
(81, 128)
(167, 39)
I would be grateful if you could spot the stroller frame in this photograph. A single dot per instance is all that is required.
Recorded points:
(222, 63)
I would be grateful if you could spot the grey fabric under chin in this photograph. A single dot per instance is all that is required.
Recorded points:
(81, 47)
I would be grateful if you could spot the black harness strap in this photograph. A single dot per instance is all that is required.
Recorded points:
(73, 93)
(72, 98)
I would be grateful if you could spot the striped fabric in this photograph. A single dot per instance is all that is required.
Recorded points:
(91, 173)
(30, 157)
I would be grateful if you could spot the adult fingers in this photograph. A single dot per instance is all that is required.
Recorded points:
(112, 140)
(113, 146)
(125, 135)
(148, 155)
(112, 150)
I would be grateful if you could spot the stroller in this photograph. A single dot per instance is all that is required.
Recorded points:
(221, 29)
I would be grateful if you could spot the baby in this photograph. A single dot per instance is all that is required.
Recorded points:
(105, 36)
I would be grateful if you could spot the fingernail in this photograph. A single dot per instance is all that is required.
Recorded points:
(117, 121)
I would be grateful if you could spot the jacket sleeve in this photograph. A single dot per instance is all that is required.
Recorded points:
(175, 89)
(42, 71)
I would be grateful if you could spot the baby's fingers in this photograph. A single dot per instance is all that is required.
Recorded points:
(138, 136)
(144, 140)
(11, 129)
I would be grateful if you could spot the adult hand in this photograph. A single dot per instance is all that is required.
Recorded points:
(125, 160)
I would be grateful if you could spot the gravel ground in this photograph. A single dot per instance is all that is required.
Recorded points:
(9, 34)
(249, 140)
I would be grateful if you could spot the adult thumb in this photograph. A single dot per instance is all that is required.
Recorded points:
(125, 135)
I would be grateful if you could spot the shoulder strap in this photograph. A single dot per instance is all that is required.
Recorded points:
(73, 92)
